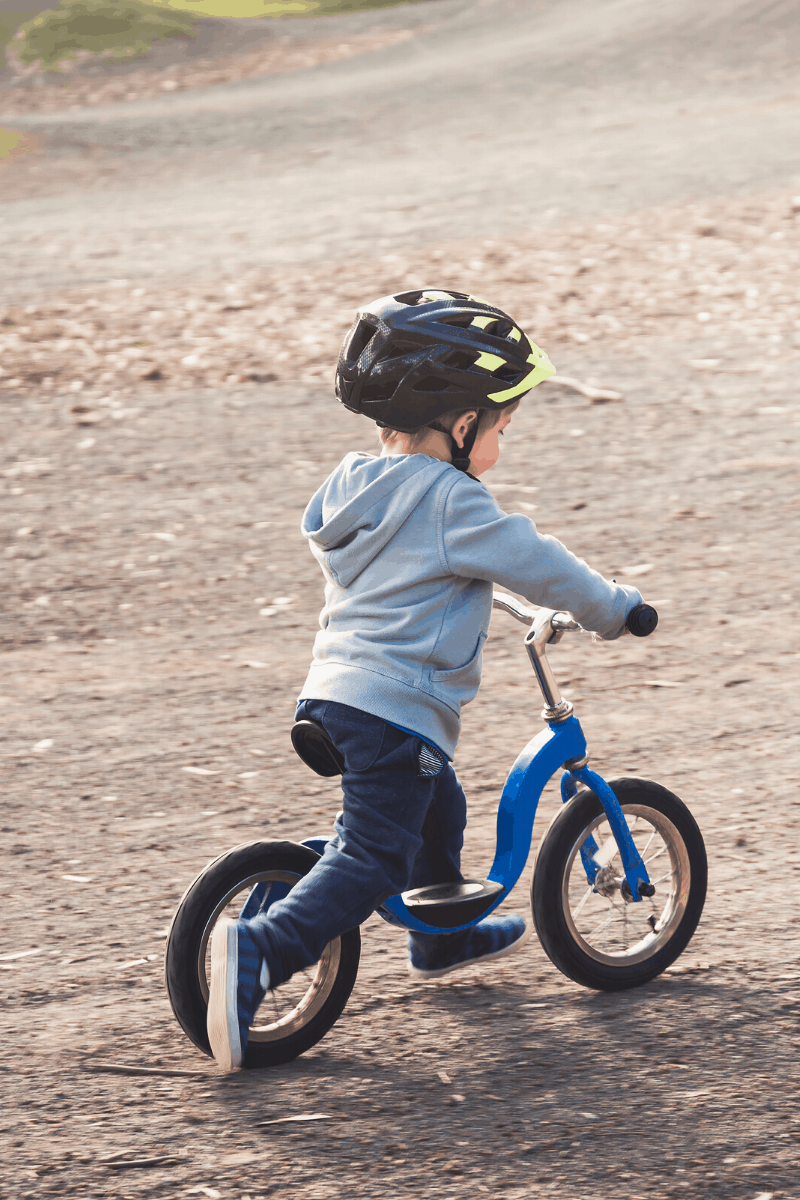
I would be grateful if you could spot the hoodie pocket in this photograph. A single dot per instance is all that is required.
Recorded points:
(454, 676)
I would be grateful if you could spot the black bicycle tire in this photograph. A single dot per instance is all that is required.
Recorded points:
(185, 939)
(551, 861)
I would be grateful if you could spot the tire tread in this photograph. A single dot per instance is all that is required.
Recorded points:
(184, 940)
(557, 941)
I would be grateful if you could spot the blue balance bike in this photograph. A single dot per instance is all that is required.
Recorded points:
(617, 891)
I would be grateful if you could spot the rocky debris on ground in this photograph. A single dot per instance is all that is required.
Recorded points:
(159, 608)
(727, 268)
(57, 91)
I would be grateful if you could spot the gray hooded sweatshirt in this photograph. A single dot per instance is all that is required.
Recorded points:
(410, 548)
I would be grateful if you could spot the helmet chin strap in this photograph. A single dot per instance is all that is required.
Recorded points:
(459, 454)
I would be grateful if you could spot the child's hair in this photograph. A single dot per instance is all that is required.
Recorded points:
(487, 418)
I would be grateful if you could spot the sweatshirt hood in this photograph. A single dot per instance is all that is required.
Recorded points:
(361, 506)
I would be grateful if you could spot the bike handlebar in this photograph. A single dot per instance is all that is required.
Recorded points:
(514, 607)
(641, 620)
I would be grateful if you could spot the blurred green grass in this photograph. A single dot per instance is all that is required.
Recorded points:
(278, 8)
(9, 140)
(121, 28)
(9, 24)
(128, 28)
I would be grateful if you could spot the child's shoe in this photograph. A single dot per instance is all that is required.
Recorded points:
(433, 955)
(239, 982)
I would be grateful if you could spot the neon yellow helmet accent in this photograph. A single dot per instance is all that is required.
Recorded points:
(541, 369)
(489, 362)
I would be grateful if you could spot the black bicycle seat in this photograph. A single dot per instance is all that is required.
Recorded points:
(314, 746)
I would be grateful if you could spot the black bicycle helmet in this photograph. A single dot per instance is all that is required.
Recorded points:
(409, 359)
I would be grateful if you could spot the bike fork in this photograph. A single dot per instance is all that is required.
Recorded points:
(638, 881)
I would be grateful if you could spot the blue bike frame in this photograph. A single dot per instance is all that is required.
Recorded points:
(560, 743)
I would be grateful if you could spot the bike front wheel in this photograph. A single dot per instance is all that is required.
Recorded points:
(585, 924)
(294, 1016)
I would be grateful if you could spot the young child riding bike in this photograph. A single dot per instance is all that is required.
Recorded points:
(410, 544)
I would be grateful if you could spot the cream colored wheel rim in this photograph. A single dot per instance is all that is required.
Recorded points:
(290, 1007)
(605, 927)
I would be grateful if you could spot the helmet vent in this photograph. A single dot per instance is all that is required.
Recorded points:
(460, 360)
(400, 350)
(411, 297)
(373, 393)
(425, 297)
(462, 322)
(431, 384)
(507, 374)
(362, 336)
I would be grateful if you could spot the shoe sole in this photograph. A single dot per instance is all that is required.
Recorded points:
(222, 1018)
(419, 973)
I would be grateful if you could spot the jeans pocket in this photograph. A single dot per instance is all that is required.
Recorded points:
(430, 762)
(358, 735)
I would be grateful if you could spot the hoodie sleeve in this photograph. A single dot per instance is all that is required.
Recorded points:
(480, 541)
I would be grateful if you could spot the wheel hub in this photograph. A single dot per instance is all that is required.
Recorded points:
(607, 882)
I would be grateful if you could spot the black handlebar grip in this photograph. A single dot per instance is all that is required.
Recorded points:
(642, 620)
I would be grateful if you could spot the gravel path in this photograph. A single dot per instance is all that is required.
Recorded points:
(134, 648)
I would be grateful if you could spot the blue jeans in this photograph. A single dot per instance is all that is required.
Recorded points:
(399, 828)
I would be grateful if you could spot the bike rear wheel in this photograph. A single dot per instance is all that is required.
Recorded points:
(587, 929)
(298, 1013)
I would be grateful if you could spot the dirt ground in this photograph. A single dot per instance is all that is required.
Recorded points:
(146, 523)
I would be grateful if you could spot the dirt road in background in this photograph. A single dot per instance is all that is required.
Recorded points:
(504, 116)
(144, 535)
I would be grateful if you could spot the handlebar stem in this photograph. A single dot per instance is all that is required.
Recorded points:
(536, 639)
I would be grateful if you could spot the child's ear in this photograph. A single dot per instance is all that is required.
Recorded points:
(463, 425)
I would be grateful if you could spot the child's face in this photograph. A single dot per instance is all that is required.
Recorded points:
(486, 451)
